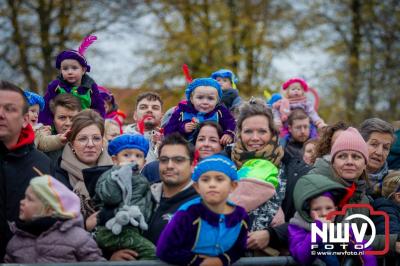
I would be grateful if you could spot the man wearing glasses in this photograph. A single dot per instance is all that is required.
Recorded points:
(18, 156)
(176, 165)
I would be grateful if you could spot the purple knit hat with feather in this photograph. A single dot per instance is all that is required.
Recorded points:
(77, 55)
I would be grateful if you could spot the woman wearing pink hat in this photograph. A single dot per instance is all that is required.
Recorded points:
(349, 160)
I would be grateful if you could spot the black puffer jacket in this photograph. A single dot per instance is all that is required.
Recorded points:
(16, 171)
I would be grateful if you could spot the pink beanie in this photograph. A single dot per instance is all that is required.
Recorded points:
(289, 82)
(350, 140)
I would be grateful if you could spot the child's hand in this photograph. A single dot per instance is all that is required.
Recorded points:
(226, 139)
(190, 126)
(64, 137)
(316, 217)
(278, 123)
(210, 261)
(320, 124)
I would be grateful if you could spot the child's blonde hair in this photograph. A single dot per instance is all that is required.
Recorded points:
(391, 184)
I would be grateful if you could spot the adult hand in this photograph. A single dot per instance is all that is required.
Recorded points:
(226, 139)
(258, 239)
(91, 221)
(190, 126)
(124, 254)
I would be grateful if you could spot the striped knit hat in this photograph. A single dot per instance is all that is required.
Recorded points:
(64, 203)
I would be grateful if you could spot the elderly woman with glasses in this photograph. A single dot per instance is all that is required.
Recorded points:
(83, 150)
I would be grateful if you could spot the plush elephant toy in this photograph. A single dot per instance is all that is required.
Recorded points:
(127, 215)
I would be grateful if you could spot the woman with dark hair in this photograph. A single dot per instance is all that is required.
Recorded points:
(83, 150)
(207, 143)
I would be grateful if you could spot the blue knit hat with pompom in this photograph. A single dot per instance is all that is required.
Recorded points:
(226, 73)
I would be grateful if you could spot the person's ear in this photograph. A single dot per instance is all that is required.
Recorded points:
(25, 121)
(196, 187)
(397, 197)
(290, 128)
(135, 118)
(234, 185)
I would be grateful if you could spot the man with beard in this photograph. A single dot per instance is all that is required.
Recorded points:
(148, 116)
(176, 164)
(299, 129)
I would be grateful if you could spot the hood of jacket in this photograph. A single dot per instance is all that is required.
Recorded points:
(310, 186)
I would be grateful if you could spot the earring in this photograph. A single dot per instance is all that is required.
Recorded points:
(73, 151)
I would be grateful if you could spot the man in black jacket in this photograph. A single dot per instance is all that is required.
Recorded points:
(18, 156)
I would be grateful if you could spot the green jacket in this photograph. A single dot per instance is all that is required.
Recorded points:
(109, 189)
(324, 167)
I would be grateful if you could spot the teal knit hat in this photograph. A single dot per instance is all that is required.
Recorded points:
(218, 163)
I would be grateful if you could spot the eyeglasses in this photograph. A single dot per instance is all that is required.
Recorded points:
(84, 140)
(174, 159)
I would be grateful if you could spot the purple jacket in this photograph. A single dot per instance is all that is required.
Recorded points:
(177, 121)
(195, 230)
(97, 102)
(63, 242)
(300, 243)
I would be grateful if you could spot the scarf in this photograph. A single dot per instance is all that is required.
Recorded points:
(74, 167)
(37, 226)
(355, 189)
(271, 152)
(376, 178)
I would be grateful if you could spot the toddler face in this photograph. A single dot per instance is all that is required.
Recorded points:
(295, 90)
(309, 152)
(130, 155)
(30, 206)
(321, 206)
(72, 71)
(214, 187)
(204, 98)
(111, 131)
(33, 114)
(225, 83)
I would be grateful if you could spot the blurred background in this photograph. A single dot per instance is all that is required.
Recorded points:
(348, 50)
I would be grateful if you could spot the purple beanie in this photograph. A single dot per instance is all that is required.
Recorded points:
(72, 54)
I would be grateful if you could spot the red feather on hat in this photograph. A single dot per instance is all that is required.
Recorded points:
(186, 72)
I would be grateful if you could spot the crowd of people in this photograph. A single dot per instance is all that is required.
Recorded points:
(211, 180)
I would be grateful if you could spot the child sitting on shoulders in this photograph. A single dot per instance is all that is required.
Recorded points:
(123, 187)
(208, 230)
(44, 141)
(50, 227)
(73, 79)
(294, 97)
(230, 94)
(203, 104)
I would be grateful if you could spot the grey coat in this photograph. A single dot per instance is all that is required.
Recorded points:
(63, 242)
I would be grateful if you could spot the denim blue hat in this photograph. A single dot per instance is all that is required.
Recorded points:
(34, 98)
(203, 82)
(128, 141)
(217, 163)
(226, 73)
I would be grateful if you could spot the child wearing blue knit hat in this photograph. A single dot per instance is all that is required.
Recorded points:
(209, 229)
(36, 104)
(203, 97)
(227, 79)
(124, 187)
(128, 148)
